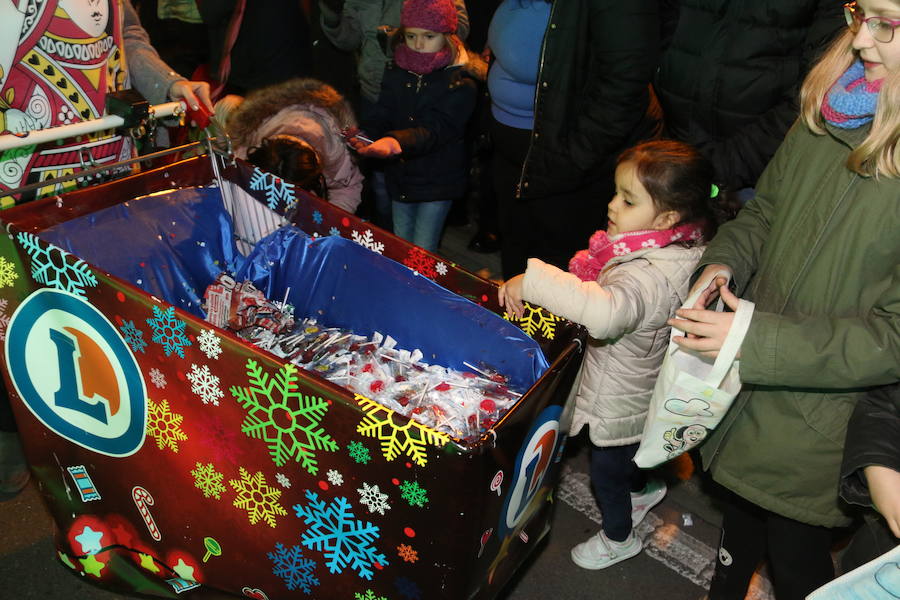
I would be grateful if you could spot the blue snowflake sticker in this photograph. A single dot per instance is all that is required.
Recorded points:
(53, 267)
(334, 231)
(276, 189)
(290, 565)
(317, 217)
(168, 331)
(336, 532)
(133, 336)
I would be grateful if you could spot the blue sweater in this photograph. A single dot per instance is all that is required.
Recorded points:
(515, 38)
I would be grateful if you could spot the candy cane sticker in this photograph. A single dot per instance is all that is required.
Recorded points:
(495, 483)
(143, 499)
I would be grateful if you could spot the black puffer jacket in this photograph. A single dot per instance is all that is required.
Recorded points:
(873, 438)
(427, 114)
(593, 98)
(729, 80)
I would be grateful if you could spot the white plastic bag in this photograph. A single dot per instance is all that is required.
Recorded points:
(692, 392)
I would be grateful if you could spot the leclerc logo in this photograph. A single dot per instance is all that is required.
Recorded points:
(532, 464)
(77, 375)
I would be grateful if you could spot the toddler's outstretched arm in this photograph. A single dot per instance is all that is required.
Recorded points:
(510, 296)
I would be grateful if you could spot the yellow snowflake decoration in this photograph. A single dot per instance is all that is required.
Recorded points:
(164, 426)
(536, 319)
(410, 438)
(258, 499)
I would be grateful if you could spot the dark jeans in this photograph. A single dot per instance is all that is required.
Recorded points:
(799, 554)
(552, 227)
(614, 476)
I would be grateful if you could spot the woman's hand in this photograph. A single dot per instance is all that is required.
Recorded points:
(381, 148)
(706, 329)
(884, 487)
(194, 93)
(712, 290)
(510, 296)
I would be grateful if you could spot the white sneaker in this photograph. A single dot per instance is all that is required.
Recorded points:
(600, 552)
(643, 501)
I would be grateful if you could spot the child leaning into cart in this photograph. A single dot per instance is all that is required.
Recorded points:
(419, 122)
(623, 288)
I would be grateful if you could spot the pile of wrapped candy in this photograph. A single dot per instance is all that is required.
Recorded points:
(462, 404)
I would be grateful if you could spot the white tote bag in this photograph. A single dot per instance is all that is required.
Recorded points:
(692, 392)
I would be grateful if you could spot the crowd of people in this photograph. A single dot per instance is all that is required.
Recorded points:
(753, 145)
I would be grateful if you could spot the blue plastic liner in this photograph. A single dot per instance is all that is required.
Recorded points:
(343, 284)
(173, 245)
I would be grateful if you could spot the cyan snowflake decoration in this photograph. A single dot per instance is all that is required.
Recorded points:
(168, 331)
(344, 540)
(288, 421)
(334, 231)
(413, 493)
(133, 336)
(276, 189)
(290, 565)
(8, 273)
(56, 268)
(317, 217)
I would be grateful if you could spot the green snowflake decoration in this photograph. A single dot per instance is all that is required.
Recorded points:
(208, 480)
(536, 319)
(367, 595)
(359, 453)
(288, 421)
(413, 493)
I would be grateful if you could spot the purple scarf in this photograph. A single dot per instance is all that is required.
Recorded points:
(421, 63)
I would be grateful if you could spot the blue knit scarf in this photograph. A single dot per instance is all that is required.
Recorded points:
(851, 101)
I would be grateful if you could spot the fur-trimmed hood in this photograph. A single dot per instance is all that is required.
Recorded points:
(261, 104)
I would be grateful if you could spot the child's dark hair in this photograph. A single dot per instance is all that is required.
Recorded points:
(679, 178)
(292, 159)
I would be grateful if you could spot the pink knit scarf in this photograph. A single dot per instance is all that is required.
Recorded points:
(587, 264)
(421, 63)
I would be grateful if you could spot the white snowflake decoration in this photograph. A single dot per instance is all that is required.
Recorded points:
(157, 377)
(650, 244)
(334, 478)
(210, 344)
(441, 268)
(205, 384)
(620, 248)
(282, 480)
(372, 498)
(8, 273)
(4, 318)
(367, 240)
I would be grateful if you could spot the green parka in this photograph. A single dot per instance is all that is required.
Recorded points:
(818, 251)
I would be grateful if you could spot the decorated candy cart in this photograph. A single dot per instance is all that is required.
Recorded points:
(179, 457)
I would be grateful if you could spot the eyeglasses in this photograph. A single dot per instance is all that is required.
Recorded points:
(880, 28)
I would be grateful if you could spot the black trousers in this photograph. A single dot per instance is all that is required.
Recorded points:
(552, 227)
(614, 476)
(799, 554)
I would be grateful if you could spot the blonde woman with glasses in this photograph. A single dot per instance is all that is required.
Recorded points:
(818, 251)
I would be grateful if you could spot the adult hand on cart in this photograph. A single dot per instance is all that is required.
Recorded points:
(194, 93)
(510, 296)
(380, 148)
(884, 487)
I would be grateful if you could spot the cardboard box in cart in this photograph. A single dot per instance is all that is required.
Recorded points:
(178, 459)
